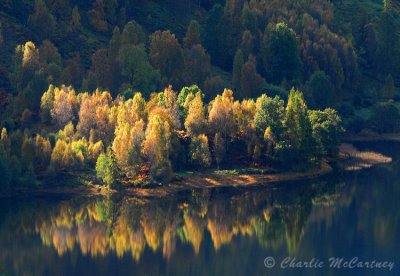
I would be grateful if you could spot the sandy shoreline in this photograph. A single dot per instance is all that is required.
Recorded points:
(207, 181)
(195, 181)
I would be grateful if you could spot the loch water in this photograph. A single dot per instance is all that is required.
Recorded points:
(293, 228)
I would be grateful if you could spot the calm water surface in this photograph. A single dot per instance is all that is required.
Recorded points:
(211, 232)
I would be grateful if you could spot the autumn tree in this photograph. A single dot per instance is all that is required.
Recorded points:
(248, 44)
(133, 34)
(25, 63)
(102, 69)
(67, 134)
(114, 48)
(64, 106)
(28, 77)
(220, 33)
(199, 151)
(156, 148)
(73, 71)
(238, 62)
(195, 121)
(136, 67)
(94, 114)
(139, 105)
(69, 154)
(234, 7)
(127, 144)
(46, 104)
(168, 101)
(107, 169)
(250, 80)
(30, 95)
(320, 90)
(220, 116)
(49, 54)
(94, 151)
(212, 34)
(5, 161)
(50, 62)
(270, 113)
(5, 141)
(327, 130)
(192, 35)
(42, 21)
(185, 92)
(249, 18)
(166, 55)
(42, 152)
(98, 16)
(219, 148)
(214, 85)
(197, 65)
(298, 135)
(60, 9)
(244, 113)
(281, 54)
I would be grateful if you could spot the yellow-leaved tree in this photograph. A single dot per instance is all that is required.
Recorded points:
(156, 148)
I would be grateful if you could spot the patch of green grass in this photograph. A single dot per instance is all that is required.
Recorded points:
(227, 172)
(245, 170)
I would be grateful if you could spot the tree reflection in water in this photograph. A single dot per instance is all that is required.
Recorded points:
(98, 226)
(206, 232)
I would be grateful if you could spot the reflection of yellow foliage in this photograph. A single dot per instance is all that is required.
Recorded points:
(63, 240)
(151, 229)
(98, 227)
(267, 214)
(246, 228)
(203, 211)
(87, 227)
(293, 233)
(93, 213)
(219, 233)
(138, 243)
(124, 239)
(45, 232)
(169, 240)
(93, 238)
(120, 237)
(79, 215)
(193, 230)
(65, 218)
